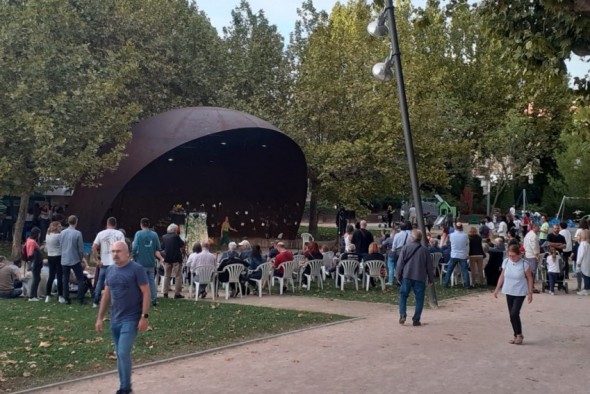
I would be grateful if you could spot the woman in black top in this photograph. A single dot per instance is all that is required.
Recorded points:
(476, 256)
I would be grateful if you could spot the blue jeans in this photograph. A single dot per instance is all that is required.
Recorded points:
(102, 274)
(419, 288)
(390, 269)
(124, 334)
(451, 267)
(152, 282)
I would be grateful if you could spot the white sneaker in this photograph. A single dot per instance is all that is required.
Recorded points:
(62, 300)
(47, 299)
(583, 293)
(304, 286)
(388, 284)
(94, 305)
(551, 293)
(35, 299)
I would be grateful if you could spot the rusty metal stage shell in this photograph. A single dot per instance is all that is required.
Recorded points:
(214, 160)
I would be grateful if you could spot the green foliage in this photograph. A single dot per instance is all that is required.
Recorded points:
(255, 72)
(43, 343)
(574, 160)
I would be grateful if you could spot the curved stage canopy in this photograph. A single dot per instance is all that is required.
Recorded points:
(212, 160)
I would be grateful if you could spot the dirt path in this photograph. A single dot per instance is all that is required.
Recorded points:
(461, 348)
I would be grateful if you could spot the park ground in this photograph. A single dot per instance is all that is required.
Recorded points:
(462, 347)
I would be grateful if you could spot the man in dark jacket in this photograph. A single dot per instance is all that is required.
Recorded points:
(362, 238)
(173, 247)
(414, 267)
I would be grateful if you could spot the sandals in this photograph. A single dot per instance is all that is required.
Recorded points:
(517, 340)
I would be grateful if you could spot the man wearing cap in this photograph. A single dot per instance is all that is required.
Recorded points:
(103, 243)
(459, 251)
(245, 250)
(72, 252)
(35, 257)
(126, 285)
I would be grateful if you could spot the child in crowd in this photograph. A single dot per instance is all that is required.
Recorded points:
(553, 262)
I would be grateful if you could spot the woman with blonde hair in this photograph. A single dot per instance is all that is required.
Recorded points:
(583, 261)
(53, 247)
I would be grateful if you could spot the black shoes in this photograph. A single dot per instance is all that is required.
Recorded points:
(416, 323)
(402, 320)
(178, 296)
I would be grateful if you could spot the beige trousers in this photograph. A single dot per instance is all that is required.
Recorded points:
(176, 270)
(476, 266)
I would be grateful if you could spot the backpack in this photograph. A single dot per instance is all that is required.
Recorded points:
(23, 252)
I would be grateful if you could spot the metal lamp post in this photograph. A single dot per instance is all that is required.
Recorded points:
(382, 71)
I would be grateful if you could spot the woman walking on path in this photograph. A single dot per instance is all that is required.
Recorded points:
(516, 281)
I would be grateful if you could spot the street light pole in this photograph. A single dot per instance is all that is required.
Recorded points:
(403, 104)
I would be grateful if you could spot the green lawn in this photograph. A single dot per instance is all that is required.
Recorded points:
(42, 343)
(390, 295)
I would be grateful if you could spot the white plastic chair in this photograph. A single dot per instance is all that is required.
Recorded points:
(234, 271)
(265, 270)
(315, 272)
(327, 264)
(350, 270)
(435, 258)
(288, 269)
(206, 274)
(375, 267)
(306, 237)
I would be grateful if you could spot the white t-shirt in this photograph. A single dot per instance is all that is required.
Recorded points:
(502, 229)
(568, 239)
(553, 264)
(105, 239)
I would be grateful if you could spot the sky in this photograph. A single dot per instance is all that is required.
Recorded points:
(283, 14)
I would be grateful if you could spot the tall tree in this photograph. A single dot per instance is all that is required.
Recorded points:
(255, 72)
(63, 119)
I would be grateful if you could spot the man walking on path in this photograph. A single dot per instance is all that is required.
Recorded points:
(128, 292)
(413, 269)
(459, 253)
(104, 242)
(146, 249)
(72, 252)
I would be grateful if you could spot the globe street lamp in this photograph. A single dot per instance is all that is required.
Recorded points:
(379, 28)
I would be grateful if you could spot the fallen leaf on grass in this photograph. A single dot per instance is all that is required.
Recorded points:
(27, 341)
(45, 344)
(111, 356)
(26, 374)
(70, 366)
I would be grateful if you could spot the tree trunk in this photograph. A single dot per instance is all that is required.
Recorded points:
(19, 225)
(313, 207)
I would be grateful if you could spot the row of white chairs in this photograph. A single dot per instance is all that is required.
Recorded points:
(345, 270)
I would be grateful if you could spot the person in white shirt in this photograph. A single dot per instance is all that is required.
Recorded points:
(583, 261)
(459, 253)
(532, 250)
(103, 243)
(553, 261)
(502, 227)
(199, 259)
(567, 251)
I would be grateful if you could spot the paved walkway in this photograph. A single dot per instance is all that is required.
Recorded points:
(461, 348)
